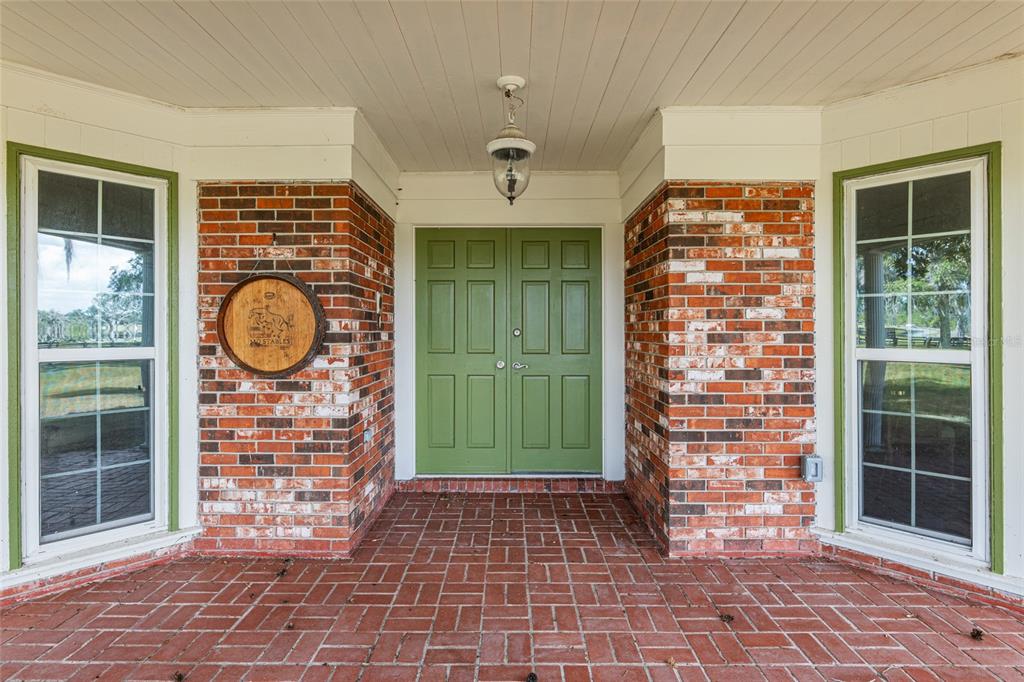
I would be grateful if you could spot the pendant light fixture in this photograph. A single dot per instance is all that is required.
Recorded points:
(510, 151)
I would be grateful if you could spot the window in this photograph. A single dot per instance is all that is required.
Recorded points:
(916, 300)
(94, 367)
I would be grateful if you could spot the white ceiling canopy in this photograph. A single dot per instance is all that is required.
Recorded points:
(423, 71)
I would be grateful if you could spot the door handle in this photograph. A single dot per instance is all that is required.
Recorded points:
(519, 365)
(500, 364)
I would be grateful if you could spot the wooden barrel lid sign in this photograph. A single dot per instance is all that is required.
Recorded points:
(271, 324)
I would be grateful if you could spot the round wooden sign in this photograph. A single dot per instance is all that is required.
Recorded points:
(271, 324)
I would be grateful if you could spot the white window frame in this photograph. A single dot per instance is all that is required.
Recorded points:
(33, 551)
(977, 552)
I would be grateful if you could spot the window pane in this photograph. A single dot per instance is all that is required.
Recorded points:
(943, 446)
(127, 211)
(944, 505)
(886, 386)
(67, 203)
(67, 320)
(127, 267)
(882, 212)
(126, 492)
(942, 204)
(886, 495)
(67, 263)
(942, 390)
(125, 319)
(89, 292)
(915, 417)
(941, 263)
(882, 322)
(95, 416)
(886, 439)
(124, 384)
(67, 388)
(125, 437)
(67, 444)
(941, 321)
(67, 503)
(882, 268)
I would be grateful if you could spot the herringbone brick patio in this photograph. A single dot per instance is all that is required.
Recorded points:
(492, 587)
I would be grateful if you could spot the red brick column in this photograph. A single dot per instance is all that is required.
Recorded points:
(651, 297)
(720, 365)
(299, 465)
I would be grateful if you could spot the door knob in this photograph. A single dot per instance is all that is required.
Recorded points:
(519, 365)
(500, 364)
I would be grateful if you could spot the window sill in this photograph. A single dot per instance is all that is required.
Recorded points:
(70, 562)
(950, 564)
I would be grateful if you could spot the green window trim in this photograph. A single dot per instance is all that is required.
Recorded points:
(992, 152)
(15, 151)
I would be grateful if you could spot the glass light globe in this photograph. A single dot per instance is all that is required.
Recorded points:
(510, 164)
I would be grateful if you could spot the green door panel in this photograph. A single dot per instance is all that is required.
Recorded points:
(536, 412)
(473, 286)
(461, 334)
(555, 401)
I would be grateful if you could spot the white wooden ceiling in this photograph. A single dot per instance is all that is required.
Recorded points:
(423, 71)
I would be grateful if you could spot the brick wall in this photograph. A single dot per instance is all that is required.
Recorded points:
(720, 365)
(297, 465)
(650, 304)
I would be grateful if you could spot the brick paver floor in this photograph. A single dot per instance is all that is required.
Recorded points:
(492, 587)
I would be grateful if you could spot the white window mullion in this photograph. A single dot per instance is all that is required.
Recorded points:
(979, 358)
(943, 356)
(97, 354)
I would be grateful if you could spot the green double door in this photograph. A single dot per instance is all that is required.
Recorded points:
(508, 351)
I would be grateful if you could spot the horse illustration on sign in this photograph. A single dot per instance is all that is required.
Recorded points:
(267, 328)
(271, 324)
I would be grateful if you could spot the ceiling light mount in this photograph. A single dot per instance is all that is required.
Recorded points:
(510, 151)
(512, 83)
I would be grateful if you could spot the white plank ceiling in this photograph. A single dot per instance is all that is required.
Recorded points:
(423, 71)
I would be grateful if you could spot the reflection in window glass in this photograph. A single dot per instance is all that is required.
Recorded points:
(68, 203)
(916, 441)
(882, 267)
(883, 322)
(126, 267)
(943, 505)
(941, 263)
(912, 290)
(124, 319)
(127, 211)
(67, 444)
(887, 439)
(941, 321)
(887, 495)
(942, 204)
(125, 492)
(96, 446)
(943, 446)
(124, 384)
(66, 320)
(96, 288)
(882, 212)
(67, 503)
